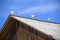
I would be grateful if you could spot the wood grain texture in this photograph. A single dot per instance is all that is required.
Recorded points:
(17, 30)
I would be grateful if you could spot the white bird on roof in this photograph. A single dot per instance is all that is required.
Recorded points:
(33, 16)
(12, 12)
(49, 19)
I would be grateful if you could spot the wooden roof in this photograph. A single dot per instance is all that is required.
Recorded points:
(49, 28)
(46, 27)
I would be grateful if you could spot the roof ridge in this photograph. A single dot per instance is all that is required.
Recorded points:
(35, 19)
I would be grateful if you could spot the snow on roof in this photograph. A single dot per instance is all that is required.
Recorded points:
(46, 27)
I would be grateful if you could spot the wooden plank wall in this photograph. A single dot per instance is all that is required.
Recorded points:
(12, 31)
(9, 29)
(21, 31)
(25, 32)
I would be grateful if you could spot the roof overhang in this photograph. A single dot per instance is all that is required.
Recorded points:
(48, 28)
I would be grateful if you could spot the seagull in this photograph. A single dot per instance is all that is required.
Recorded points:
(33, 16)
(49, 19)
(12, 12)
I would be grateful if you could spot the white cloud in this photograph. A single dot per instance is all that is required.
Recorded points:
(42, 8)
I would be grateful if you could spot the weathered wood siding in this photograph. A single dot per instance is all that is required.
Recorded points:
(25, 32)
(20, 31)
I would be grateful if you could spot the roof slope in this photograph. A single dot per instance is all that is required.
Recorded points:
(46, 27)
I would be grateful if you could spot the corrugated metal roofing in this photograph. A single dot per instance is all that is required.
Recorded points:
(46, 27)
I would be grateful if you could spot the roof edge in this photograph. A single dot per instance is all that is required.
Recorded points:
(34, 19)
(5, 23)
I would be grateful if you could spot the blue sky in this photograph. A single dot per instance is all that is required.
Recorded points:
(42, 9)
